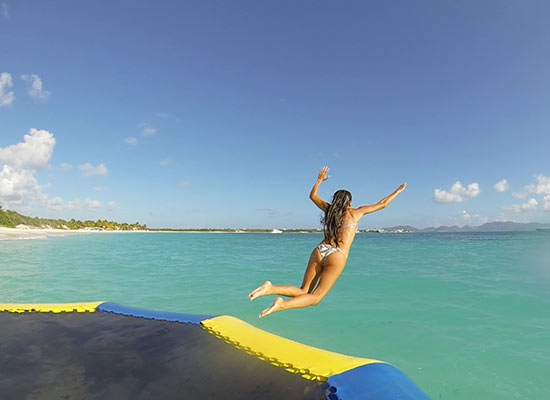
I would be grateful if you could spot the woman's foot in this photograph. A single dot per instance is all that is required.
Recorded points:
(276, 306)
(263, 290)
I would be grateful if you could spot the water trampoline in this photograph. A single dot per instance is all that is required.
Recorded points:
(104, 350)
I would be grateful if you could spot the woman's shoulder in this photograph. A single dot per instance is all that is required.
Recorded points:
(350, 220)
(355, 214)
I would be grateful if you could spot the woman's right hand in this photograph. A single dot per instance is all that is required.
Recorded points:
(323, 174)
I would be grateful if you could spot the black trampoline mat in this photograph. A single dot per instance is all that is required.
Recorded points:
(103, 356)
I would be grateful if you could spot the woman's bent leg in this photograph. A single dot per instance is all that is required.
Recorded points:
(311, 276)
(269, 289)
(335, 264)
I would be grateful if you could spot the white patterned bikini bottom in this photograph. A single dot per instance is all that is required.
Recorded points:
(327, 249)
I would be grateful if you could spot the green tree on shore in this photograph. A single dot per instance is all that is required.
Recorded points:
(11, 219)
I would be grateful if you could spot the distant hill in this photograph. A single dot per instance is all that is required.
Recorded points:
(507, 226)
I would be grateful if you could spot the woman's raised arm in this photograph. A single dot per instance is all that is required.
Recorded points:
(382, 203)
(323, 176)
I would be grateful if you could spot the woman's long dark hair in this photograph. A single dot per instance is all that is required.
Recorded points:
(334, 214)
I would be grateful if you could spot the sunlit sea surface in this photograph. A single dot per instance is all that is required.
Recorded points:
(465, 315)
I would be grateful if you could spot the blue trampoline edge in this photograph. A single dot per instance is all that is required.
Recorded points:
(377, 381)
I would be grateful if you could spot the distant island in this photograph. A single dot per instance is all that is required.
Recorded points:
(506, 226)
(12, 219)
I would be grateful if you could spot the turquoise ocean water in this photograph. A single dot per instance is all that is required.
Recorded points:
(466, 316)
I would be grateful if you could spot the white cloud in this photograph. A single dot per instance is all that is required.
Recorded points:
(166, 161)
(73, 205)
(472, 218)
(111, 205)
(92, 204)
(19, 164)
(5, 11)
(36, 89)
(519, 195)
(547, 203)
(66, 166)
(16, 185)
(6, 98)
(90, 170)
(502, 186)
(57, 204)
(530, 205)
(131, 140)
(541, 187)
(32, 154)
(149, 131)
(457, 193)
(100, 188)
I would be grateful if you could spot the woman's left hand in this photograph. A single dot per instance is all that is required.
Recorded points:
(323, 174)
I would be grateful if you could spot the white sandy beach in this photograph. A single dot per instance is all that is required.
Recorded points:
(25, 232)
(30, 232)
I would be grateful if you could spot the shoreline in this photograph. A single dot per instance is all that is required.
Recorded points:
(28, 233)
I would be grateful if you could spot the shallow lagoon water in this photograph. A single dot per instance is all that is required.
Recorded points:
(465, 315)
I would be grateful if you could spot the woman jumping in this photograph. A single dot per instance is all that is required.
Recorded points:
(327, 261)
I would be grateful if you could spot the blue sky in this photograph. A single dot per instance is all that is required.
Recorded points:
(220, 114)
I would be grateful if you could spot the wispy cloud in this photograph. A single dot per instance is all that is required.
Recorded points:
(473, 218)
(530, 205)
(36, 88)
(74, 204)
(4, 10)
(92, 204)
(55, 204)
(149, 131)
(542, 185)
(6, 97)
(66, 166)
(167, 116)
(58, 204)
(131, 141)
(185, 183)
(89, 170)
(519, 195)
(502, 186)
(167, 161)
(457, 193)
